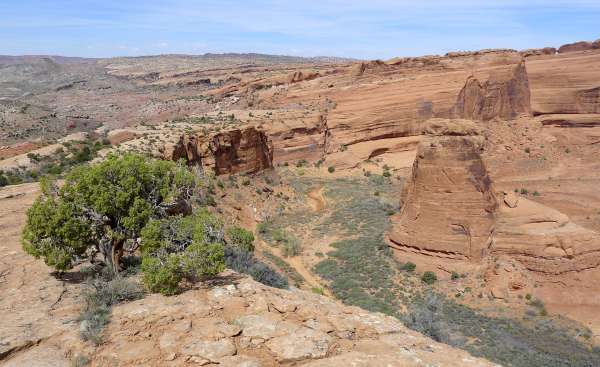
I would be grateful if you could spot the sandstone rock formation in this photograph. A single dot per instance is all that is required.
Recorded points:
(559, 83)
(543, 239)
(577, 46)
(504, 95)
(300, 76)
(448, 203)
(233, 151)
(244, 323)
(450, 209)
(372, 66)
(538, 51)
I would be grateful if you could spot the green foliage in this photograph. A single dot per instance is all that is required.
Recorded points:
(178, 247)
(101, 206)
(454, 276)
(290, 245)
(318, 290)
(162, 275)
(428, 277)
(241, 238)
(408, 267)
(331, 169)
(55, 164)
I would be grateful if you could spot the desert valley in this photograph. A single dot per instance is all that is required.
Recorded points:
(441, 210)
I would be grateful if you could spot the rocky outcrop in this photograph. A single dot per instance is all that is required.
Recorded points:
(543, 239)
(577, 46)
(370, 66)
(244, 323)
(538, 51)
(448, 204)
(504, 95)
(300, 76)
(233, 151)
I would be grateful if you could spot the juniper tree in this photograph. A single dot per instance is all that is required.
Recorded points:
(103, 207)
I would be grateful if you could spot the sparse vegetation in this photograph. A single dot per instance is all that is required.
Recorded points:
(241, 238)
(428, 277)
(103, 293)
(409, 267)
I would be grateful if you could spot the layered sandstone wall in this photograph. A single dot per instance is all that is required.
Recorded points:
(246, 150)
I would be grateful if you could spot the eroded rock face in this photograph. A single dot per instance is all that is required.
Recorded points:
(448, 203)
(240, 150)
(504, 95)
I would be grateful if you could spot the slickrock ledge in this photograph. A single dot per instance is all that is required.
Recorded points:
(245, 323)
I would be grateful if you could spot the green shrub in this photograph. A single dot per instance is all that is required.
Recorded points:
(241, 238)
(331, 169)
(181, 247)
(454, 275)
(162, 275)
(429, 277)
(408, 267)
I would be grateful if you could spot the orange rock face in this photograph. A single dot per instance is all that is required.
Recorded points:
(233, 151)
(504, 95)
(448, 204)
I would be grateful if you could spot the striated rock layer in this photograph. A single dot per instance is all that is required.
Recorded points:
(448, 204)
(240, 150)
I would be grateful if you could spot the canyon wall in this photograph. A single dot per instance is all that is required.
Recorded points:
(233, 151)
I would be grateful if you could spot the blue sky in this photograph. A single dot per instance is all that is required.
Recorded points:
(366, 29)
